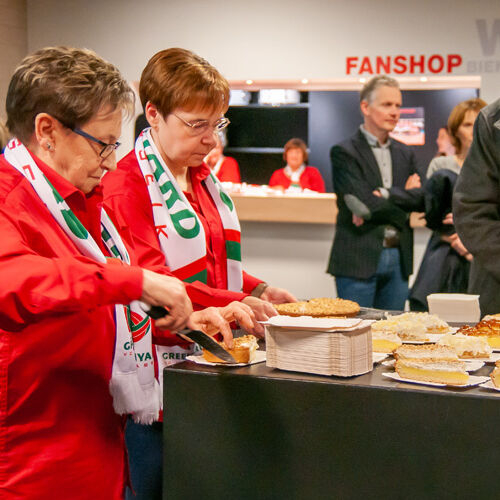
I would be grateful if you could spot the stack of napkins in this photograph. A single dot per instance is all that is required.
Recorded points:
(326, 346)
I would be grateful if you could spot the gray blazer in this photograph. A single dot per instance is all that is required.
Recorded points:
(476, 208)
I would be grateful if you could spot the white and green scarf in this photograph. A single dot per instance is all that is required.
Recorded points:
(133, 385)
(179, 230)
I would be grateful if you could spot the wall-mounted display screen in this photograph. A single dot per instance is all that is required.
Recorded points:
(410, 129)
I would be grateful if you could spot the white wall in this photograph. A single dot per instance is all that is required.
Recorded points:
(13, 42)
(264, 39)
(285, 39)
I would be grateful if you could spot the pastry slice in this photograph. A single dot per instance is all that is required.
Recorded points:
(467, 346)
(243, 351)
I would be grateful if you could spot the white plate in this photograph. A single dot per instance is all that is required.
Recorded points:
(490, 385)
(473, 381)
(472, 366)
(379, 356)
(260, 356)
(433, 338)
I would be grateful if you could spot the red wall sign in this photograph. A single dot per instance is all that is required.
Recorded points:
(412, 64)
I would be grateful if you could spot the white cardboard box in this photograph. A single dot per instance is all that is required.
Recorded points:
(455, 307)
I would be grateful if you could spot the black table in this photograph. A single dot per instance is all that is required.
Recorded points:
(261, 433)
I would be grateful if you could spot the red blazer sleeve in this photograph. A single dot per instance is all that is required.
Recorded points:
(314, 180)
(249, 282)
(229, 171)
(125, 192)
(40, 286)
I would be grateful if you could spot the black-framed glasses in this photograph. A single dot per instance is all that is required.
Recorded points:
(200, 127)
(107, 149)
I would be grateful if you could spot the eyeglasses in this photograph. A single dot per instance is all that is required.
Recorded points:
(107, 149)
(200, 127)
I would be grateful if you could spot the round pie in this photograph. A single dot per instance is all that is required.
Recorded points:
(319, 308)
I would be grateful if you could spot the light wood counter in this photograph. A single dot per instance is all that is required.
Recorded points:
(316, 208)
(320, 208)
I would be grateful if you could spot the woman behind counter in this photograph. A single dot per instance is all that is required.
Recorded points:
(180, 216)
(224, 167)
(296, 175)
(446, 262)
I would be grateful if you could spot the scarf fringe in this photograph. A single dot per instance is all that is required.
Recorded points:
(150, 414)
(128, 394)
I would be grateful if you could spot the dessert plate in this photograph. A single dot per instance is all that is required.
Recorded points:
(472, 365)
(473, 381)
(379, 356)
(432, 339)
(490, 385)
(260, 356)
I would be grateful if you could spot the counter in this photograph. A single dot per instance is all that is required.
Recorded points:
(259, 433)
(314, 208)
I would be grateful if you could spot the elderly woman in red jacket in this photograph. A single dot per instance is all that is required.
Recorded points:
(296, 175)
(75, 343)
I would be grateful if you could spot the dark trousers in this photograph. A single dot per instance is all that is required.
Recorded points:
(145, 451)
(386, 289)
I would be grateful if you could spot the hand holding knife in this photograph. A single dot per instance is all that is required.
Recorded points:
(201, 338)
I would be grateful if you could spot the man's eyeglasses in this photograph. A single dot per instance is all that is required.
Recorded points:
(200, 127)
(107, 149)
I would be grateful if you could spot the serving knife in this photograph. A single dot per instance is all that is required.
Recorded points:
(201, 338)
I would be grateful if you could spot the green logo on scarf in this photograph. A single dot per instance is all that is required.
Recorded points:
(74, 224)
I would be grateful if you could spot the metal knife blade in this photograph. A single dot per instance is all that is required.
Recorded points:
(207, 343)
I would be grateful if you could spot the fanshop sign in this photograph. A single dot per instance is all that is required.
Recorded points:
(409, 64)
(488, 35)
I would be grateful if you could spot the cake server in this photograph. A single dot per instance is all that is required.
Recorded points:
(201, 338)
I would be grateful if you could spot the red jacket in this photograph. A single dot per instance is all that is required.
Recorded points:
(229, 171)
(310, 179)
(59, 435)
(126, 193)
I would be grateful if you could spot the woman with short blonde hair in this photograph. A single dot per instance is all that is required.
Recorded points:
(75, 342)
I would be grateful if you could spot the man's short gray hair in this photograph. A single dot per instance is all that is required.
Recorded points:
(373, 84)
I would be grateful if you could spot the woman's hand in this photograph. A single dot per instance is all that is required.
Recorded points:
(212, 321)
(458, 246)
(262, 309)
(168, 292)
(277, 295)
(241, 313)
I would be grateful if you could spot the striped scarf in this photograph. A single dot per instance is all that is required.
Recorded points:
(179, 230)
(133, 385)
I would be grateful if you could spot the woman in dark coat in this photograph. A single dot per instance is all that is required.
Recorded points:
(446, 262)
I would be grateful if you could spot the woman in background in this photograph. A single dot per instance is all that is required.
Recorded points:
(446, 262)
(296, 175)
(224, 167)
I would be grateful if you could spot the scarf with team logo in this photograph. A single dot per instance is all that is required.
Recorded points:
(133, 385)
(180, 232)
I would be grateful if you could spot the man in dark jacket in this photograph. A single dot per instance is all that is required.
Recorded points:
(476, 208)
(377, 186)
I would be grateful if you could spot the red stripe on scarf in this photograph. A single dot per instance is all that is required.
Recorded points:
(232, 235)
(193, 268)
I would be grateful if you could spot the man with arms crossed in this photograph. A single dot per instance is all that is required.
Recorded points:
(377, 186)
